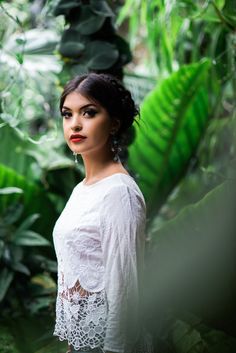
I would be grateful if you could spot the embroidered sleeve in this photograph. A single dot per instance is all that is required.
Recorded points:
(123, 228)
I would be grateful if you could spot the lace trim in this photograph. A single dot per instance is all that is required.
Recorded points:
(81, 316)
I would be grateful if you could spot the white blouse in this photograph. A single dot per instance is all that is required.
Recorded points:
(99, 242)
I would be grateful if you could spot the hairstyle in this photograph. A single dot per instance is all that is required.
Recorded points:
(107, 91)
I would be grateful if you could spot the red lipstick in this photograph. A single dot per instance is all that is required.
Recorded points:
(77, 137)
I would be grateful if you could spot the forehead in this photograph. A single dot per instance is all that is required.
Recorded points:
(75, 100)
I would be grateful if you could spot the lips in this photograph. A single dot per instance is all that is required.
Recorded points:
(77, 137)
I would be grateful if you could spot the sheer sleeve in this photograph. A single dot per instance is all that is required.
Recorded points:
(123, 220)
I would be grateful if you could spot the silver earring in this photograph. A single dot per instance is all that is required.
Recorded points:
(115, 148)
(75, 155)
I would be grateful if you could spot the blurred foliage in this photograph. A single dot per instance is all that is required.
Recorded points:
(183, 158)
(190, 278)
(89, 41)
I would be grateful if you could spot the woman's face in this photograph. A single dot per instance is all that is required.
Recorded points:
(86, 125)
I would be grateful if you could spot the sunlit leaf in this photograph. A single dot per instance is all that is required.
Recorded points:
(173, 119)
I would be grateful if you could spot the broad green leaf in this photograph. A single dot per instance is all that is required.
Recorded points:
(9, 177)
(100, 55)
(88, 22)
(101, 8)
(71, 45)
(34, 199)
(71, 49)
(6, 278)
(14, 147)
(173, 119)
(30, 238)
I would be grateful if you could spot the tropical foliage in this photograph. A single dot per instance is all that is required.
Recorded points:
(182, 157)
(91, 42)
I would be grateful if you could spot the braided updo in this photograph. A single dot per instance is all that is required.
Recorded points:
(110, 93)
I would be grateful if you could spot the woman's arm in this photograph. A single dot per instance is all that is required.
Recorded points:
(123, 225)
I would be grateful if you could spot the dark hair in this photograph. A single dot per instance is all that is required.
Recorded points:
(109, 92)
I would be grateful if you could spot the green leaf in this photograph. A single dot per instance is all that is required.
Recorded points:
(28, 222)
(173, 119)
(12, 214)
(19, 267)
(45, 263)
(88, 22)
(30, 238)
(44, 281)
(65, 6)
(16, 146)
(100, 55)
(20, 58)
(229, 11)
(20, 41)
(10, 190)
(186, 338)
(71, 45)
(6, 278)
(101, 8)
(34, 199)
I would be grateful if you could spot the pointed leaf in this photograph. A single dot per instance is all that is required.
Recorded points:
(173, 118)
(30, 238)
(19, 267)
(28, 222)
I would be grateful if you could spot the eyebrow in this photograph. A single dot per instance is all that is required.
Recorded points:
(81, 108)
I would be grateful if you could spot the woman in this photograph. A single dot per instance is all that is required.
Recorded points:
(99, 237)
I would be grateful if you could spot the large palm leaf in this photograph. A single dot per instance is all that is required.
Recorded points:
(173, 118)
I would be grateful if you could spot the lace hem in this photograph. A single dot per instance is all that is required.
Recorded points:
(81, 317)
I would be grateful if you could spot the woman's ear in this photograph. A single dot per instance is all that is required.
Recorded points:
(115, 125)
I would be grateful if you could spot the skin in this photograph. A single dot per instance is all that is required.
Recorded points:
(88, 118)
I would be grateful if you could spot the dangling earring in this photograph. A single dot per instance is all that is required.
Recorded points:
(75, 155)
(115, 148)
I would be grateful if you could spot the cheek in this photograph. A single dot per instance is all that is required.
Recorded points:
(100, 130)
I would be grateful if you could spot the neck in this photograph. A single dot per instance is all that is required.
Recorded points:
(98, 164)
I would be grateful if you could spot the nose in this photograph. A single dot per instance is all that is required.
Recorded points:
(76, 125)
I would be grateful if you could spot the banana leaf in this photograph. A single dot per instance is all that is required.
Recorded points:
(174, 117)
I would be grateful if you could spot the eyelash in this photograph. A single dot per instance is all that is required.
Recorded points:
(90, 112)
(66, 114)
